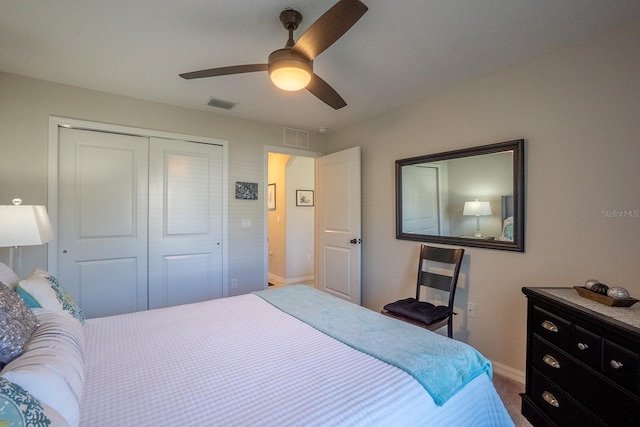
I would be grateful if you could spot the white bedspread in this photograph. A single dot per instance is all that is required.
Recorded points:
(242, 362)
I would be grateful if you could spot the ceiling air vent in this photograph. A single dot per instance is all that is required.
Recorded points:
(219, 103)
(296, 138)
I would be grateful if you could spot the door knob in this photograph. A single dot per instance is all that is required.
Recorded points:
(355, 241)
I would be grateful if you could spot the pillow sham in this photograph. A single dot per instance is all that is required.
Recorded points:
(507, 229)
(51, 368)
(17, 323)
(8, 276)
(42, 290)
(20, 409)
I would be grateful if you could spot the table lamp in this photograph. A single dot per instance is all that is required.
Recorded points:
(23, 225)
(477, 209)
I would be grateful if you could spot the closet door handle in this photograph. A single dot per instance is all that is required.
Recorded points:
(549, 326)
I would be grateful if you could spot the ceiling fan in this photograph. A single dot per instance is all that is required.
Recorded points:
(291, 68)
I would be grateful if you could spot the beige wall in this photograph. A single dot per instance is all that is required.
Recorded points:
(579, 110)
(25, 107)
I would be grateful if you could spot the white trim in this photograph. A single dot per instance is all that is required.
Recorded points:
(56, 122)
(283, 150)
(508, 372)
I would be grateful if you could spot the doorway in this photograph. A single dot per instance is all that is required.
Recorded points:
(290, 252)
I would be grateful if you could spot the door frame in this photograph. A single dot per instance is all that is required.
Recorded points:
(294, 152)
(56, 122)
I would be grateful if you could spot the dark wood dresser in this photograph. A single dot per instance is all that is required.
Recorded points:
(583, 361)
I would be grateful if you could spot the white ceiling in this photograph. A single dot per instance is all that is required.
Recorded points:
(398, 53)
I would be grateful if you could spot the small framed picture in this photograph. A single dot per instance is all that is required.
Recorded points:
(271, 197)
(304, 197)
(247, 190)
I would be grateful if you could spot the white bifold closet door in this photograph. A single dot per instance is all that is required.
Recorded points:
(185, 222)
(139, 221)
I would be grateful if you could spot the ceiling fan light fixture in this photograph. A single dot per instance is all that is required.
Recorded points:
(289, 72)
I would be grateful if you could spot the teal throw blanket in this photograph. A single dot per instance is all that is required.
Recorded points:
(442, 365)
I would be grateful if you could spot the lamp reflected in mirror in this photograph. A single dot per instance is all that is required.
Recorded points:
(477, 209)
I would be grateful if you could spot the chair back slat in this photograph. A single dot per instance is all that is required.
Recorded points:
(443, 255)
(441, 282)
(434, 280)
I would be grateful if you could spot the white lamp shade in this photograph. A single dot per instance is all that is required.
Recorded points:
(24, 225)
(477, 208)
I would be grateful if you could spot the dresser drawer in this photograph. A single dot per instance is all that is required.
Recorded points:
(556, 404)
(592, 390)
(622, 366)
(587, 347)
(551, 327)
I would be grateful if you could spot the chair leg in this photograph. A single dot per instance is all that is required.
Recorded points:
(450, 327)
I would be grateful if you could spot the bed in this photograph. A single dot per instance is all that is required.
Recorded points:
(288, 356)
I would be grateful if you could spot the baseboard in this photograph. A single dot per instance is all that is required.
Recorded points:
(508, 372)
(279, 281)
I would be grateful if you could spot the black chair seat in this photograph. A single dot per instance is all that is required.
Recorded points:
(421, 311)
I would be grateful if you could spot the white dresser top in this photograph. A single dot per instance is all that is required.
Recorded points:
(628, 315)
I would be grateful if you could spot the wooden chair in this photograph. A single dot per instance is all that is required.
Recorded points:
(422, 313)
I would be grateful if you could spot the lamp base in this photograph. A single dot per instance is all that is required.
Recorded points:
(15, 259)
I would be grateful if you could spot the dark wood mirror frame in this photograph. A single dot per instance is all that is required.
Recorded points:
(517, 244)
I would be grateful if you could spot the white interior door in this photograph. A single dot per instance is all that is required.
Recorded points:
(185, 222)
(102, 226)
(420, 212)
(339, 228)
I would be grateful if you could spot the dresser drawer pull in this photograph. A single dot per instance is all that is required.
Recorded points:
(550, 399)
(615, 364)
(549, 326)
(582, 346)
(551, 361)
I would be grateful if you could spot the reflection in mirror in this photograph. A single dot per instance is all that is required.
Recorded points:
(470, 197)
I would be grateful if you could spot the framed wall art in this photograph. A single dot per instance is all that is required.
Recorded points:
(271, 197)
(304, 197)
(247, 190)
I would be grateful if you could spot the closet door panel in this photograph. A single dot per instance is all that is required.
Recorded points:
(102, 220)
(185, 222)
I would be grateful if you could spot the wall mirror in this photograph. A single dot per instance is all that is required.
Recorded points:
(469, 197)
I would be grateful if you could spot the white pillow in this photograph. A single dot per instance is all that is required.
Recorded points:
(19, 408)
(42, 290)
(8, 276)
(51, 368)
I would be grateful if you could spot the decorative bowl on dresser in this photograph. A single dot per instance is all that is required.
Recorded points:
(583, 361)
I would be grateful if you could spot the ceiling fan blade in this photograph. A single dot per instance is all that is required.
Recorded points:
(224, 71)
(325, 93)
(329, 27)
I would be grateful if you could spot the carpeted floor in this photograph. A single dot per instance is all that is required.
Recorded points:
(509, 391)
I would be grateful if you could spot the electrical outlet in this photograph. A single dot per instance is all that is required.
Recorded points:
(234, 283)
(471, 309)
(308, 257)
